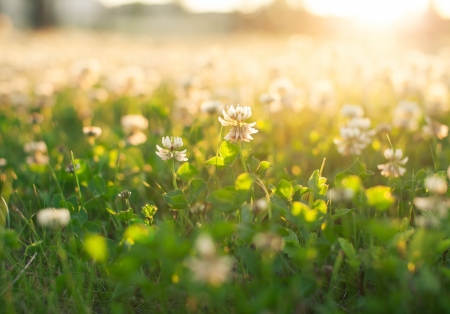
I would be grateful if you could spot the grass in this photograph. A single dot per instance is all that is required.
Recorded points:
(283, 223)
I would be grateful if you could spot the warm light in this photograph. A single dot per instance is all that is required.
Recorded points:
(111, 3)
(370, 12)
(223, 5)
(442, 8)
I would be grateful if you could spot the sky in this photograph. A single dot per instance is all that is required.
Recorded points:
(372, 11)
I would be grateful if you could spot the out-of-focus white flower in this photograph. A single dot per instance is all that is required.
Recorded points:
(260, 205)
(86, 73)
(434, 204)
(32, 147)
(435, 185)
(355, 136)
(3, 162)
(393, 168)
(37, 159)
(322, 97)
(133, 122)
(340, 194)
(211, 106)
(92, 131)
(436, 99)
(136, 138)
(407, 115)
(209, 267)
(435, 129)
(36, 118)
(268, 241)
(205, 246)
(133, 126)
(352, 111)
(282, 94)
(240, 131)
(172, 144)
(53, 218)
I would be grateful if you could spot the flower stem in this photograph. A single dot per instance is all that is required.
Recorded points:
(241, 154)
(174, 176)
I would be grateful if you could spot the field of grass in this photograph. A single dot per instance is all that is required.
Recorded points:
(244, 175)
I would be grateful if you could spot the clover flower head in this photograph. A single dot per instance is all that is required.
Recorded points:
(92, 131)
(355, 136)
(392, 168)
(209, 267)
(53, 218)
(240, 131)
(435, 129)
(352, 111)
(172, 144)
(435, 185)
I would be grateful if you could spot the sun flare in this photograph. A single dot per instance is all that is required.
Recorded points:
(370, 12)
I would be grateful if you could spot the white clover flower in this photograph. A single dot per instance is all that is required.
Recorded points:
(172, 144)
(355, 136)
(211, 106)
(133, 122)
(435, 185)
(136, 138)
(32, 147)
(92, 131)
(240, 131)
(3, 162)
(435, 129)
(268, 241)
(209, 267)
(393, 168)
(53, 218)
(340, 194)
(407, 115)
(352, 111)
(133, 126)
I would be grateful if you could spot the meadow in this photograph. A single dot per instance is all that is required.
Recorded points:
(250, 174)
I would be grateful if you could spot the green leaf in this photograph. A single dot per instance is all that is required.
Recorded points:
(82, 216)
(111, 193)
(97, 186)
(380, 197)
(226, 199)
(348, 248)
(244, 181)
(262, 168)
(149, 210)
(196, 187)
(284, 189)
(317, 184)
(187, 172)
(340, 212)
(58, 201)
(216, 161)
(92, 228)
(352, 182)
(111, 211)
(126, 215)
(96, 247)
(228, 152)
(176, 199)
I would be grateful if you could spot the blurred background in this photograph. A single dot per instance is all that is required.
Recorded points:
(412, 21)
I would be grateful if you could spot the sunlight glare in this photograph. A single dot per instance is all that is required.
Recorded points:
(370, 12)
(442, 8)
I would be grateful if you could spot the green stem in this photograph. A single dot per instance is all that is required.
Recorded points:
(241, 154)
(174, 175)
(76, 178)
(269, 207)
